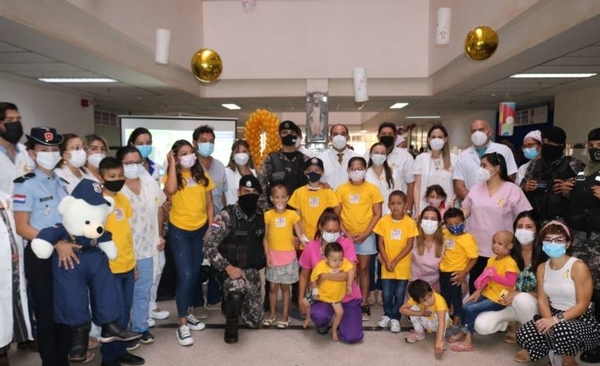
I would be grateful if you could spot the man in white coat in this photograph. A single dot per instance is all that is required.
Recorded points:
(14, 159)
(335, 160)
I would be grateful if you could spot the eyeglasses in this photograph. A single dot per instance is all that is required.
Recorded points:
(556, 240)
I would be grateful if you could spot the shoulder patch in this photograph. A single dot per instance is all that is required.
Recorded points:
(23, 178)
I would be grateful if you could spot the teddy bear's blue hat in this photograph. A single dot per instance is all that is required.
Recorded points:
(90, 192)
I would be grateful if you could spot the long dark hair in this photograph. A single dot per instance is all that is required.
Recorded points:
(327, 215)
(389, 178)
(438, 236)
(497, 159)
(239, 142)
(535, 251)
(137, 132)
(196, 169)
(446, 148)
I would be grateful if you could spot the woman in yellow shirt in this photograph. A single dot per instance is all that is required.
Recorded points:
(191, 210)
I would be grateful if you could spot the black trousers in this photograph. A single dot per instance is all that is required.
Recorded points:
(476, 271)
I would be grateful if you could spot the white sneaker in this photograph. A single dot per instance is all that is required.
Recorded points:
(183, 336)
(395, 326)
(151, 323)
(384, 322)
(159, 315)
(193, 323)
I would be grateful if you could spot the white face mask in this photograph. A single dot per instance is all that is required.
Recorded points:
(378, 159)
(330, 237)
(241, 158)
(339, 142)
(483, 174)
(357, 176)
(479, 138)
(524, 236)
(187, 161)
(436, 144)
(95, 159)
(78, 158)
(429, 226)
(133, 171)
(48, 159)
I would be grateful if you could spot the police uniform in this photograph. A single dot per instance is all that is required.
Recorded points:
(236, 239)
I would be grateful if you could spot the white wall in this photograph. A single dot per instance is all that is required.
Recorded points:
(577, 112)
(458, 127)
(41, 106)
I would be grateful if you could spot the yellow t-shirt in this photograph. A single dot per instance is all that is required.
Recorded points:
(330, 291)
(493, 289)
(357, 205)
(439, 303)
(458, 250)
(395, 236)
(188, 205)
(118, 225)
(281, 229)
(311, 205)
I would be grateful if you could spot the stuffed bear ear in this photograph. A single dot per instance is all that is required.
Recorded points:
(65, 203)
(111, 205)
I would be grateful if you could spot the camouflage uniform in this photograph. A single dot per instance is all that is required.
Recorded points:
(588, 250)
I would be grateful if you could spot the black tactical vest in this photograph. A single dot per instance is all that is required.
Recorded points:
(290, 173)
(546, 203)
(584, 208)
(243, 247)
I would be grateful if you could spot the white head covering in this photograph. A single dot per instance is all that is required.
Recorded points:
(536, 135)
(399, 140)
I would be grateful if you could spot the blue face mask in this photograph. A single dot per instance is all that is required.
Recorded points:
(145, 150)
(554, 250)
(205, 149)
(456, 229)
(530, 153)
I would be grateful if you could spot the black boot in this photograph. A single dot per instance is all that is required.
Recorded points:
(233, 306)
(79, 335)
(112, 332)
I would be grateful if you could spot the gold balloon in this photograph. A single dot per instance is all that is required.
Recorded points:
(481, 43)
(207, 65)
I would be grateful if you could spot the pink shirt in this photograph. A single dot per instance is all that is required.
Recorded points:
(492, 214)
(312, 255)
(425, 267)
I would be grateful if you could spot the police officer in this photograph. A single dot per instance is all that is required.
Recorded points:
(584, 219)
(235, 248)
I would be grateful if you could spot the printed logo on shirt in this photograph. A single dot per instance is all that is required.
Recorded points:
(119, 214)
(354, 198)
(280, 222)
(449, 244)
(396, 234)
(501, 202)
(215, 225)
(19, 198)
(313, 201)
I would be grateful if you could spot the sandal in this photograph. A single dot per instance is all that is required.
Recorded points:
(461, 348)
(510, 337)
(283, 325)
(268, 322)
(522, 356)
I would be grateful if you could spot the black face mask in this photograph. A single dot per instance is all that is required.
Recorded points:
(551, 152)
(13, 132)
(289, 140)
(313, 177)
(388, 141)
(248, 203)
(114, 185)
(594, 154)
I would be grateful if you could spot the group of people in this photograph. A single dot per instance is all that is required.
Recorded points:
(331, 230)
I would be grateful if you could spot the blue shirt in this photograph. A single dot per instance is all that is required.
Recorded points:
(39, 194)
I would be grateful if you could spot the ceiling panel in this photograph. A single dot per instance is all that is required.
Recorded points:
(55, 66)
(56, 74)
(5, 47)
(23, 57)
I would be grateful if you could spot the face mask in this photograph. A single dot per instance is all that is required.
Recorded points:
(436, 144)
(205, 149)
(483, 174)
(280, 206)
(241, 158)
(114, 185)
(13, 131)
(339, 142)
(594, 154)
(456, 229)
(553, 250)
(78, 158)
(530, 153)
(47, 159)
(145, 150)
(248, 203)
(551, 152)
(330, 237)
(187, 161)
(388, 141)
(132, 171)
(289, 140)
(429, 226)
(434, 202)
(378, 159)
(524, 236)
(95, 159)
(313, 177)
(357, 175)
(479, 138)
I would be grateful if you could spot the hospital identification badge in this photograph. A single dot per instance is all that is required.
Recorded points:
(313, 201)
(396, 234)
(354, 198)
(280, 222)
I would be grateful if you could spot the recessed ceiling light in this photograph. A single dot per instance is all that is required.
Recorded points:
(363, 131)
(551, 76)
(231, 106)
(423, 117)
(77, 80)
(398, 105)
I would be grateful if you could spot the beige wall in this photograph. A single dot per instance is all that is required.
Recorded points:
(577, 112)
(458, 127)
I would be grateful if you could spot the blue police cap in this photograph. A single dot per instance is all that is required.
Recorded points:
(90, 192)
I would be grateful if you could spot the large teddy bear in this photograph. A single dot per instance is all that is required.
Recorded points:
(83, 216)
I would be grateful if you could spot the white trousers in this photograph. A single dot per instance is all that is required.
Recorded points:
(523, 308)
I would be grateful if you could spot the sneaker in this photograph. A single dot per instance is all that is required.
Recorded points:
(200, 313)
(211, 307)
(151, 323)
(384, 322)
(414, 337)
(132, 345)
(184, 338)
(112, 332)
(394, 327)
(159, 314)
(147, 338)
(366, 313)
(194, 324)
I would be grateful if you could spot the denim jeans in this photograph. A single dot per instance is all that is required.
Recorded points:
(141, 295)
(452, 294)
(471, 309)
(113, 351)
(393, 297)
(186, 248)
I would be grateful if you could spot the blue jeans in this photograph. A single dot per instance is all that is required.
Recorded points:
(393, 297)
(186, 248)
(374, 273)
(471, 309)
(452, 294)
(113, 351)
(141, 295)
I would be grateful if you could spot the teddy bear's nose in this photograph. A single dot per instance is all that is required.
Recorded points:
(99, 229)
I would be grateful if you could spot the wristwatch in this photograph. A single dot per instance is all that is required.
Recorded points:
(560, 317)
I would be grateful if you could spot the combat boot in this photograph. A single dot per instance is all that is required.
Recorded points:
(233, 306)
(79, 342)
(112, 332)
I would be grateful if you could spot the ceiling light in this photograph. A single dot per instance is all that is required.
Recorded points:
(231, 106)
(423, 117)
(363, 131)
(77, 80)
(398, 105)
(552, 76)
